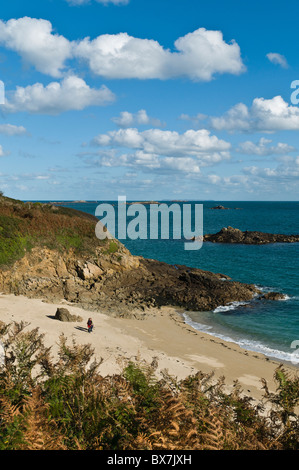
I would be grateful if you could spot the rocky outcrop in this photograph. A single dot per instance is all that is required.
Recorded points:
(119, 283)
(234, 235)
(160, 284)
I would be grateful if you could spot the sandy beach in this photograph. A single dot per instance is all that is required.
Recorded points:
(162, 334)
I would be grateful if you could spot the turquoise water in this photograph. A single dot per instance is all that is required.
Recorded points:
(268, 327)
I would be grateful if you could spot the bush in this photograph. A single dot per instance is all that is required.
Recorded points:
(66, 404)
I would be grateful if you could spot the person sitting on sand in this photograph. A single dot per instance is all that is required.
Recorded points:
(89, 325)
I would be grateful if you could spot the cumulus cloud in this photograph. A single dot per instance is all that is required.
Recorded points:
(192, 143)
(264, 115)
(34, 40)
(265, 181)
(155, 149)
(126, 119)
(10, 129)
(263, 148)
(148, 162)
(167, 165)
(277, 59)
(72, 93)
(285, 173)
(198, 55)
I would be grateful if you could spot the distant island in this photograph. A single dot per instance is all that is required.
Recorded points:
(142, 202)
(234, 235)
(224, 208)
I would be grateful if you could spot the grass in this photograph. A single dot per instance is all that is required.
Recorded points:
(12, 243)
(26, 225)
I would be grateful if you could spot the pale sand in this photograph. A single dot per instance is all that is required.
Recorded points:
(162, 335)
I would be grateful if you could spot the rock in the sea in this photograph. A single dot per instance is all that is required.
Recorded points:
(273, 296)
(62, 314)
(220, 208)
(234, 235)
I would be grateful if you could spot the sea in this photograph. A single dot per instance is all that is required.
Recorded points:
(267, 327)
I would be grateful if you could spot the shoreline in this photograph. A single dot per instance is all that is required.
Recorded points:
(228, 339)
(162, 335)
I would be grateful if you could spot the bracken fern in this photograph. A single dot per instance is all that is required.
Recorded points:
(66, 404)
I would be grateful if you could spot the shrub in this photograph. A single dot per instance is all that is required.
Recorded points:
(65, 403)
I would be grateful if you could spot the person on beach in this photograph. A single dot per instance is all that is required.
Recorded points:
(89, 325)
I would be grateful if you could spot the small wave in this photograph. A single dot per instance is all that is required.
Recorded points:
(255, 346)
(196, 325)
(267, 289)
(230, 306)
(247, 344)
(264, 288)
(206, 329)
(286, 297)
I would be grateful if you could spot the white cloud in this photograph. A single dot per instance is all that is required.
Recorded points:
(282, 179)
(265, 115)
(2, 153)
(71, 94)
(147, 162)
(126, 119)
(156, 149)
(181, 164)
(263, 148)
(34, 40)
(168, 143)
(284, 174)
(198, 55)
(277, 180)
(153, 163)
(277, 59)
(9, 129)
(195, 119)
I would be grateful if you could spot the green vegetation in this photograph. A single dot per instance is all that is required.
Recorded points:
(27, 225)
(69, 239)
(12, 243)
(65, 404)
(113, 248)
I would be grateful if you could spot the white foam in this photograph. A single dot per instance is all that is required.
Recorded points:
(230, 306)
(206, 329)
(268, 289)
(246, 344)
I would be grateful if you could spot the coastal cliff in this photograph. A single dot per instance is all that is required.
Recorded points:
(52, 253)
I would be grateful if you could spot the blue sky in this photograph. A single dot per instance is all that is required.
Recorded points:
(172, 99)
